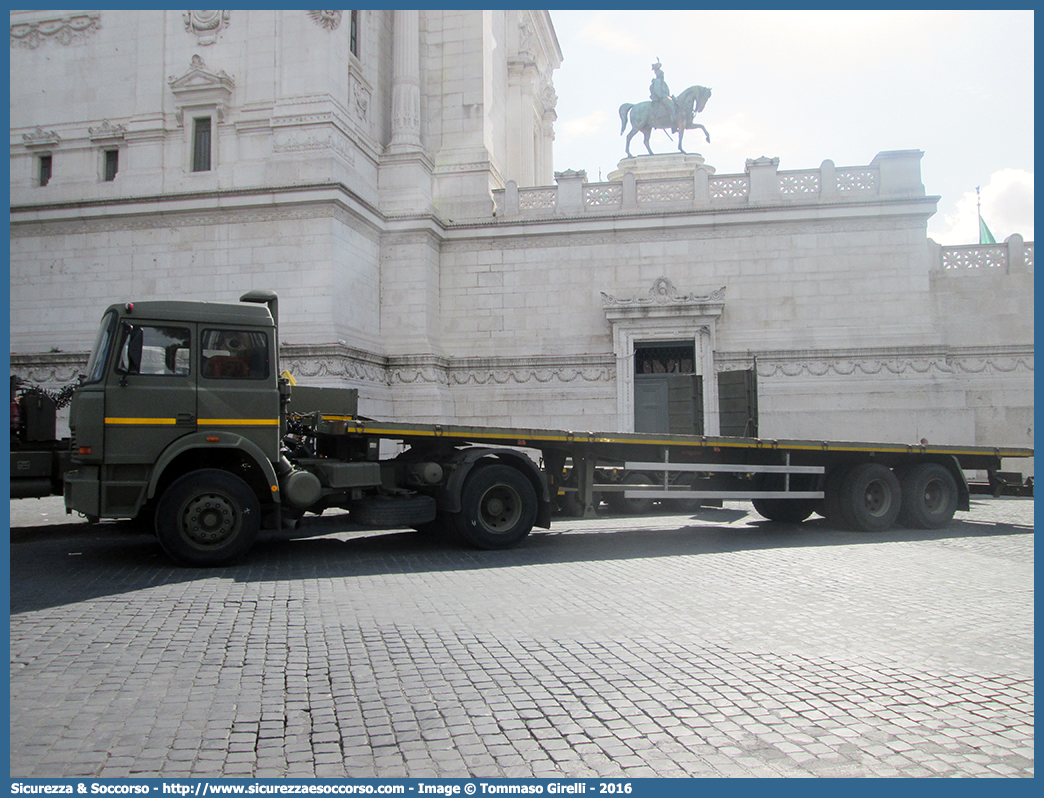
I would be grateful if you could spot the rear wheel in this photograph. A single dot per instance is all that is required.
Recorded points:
(787, 511)
(498, 507)
(207, 517)
(929, 496)
(621, 504)
(870, 497)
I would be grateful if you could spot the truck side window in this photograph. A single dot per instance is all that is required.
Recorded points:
(234, 354)
(148, 349)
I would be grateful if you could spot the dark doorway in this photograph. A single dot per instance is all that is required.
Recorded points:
(668, 394)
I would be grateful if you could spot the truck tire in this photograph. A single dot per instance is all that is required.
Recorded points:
(621, 504)
(394, 512)
(870, 497)
(929, 496)
(498, 507)
(207, 517)
(830, 509)
(786, 511)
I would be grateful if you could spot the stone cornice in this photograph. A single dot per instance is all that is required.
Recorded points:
(274, 199)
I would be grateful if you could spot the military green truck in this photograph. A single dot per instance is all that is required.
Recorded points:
(184, 419)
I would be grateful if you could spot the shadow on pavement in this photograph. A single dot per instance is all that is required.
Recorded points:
(63, 564)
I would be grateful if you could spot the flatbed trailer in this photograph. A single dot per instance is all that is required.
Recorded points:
(185, 420)
(785, 478)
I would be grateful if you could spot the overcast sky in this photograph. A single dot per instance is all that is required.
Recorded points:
(807, 86)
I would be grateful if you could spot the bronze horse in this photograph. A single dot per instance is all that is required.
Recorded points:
(687, 104)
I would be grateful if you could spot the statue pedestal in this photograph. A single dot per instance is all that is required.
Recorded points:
(659, 167)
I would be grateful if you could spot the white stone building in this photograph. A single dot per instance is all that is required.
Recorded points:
(389, 173)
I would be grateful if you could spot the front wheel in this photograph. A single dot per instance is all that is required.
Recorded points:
(498, 507)
(207, 517)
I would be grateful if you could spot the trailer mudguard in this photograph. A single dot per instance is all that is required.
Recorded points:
(461, 464)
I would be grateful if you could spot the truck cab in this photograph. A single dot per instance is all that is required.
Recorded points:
(172, 387)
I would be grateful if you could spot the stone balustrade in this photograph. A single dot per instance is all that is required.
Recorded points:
(890, 174)
(1013, 256)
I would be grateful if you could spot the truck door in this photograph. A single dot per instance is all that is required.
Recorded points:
(150, 401)
(238, 384)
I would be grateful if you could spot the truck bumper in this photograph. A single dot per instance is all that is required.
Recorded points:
(81, 491)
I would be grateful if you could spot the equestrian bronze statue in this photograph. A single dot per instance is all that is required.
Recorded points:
(660, 114)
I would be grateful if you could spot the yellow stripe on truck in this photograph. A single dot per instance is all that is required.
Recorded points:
(241, 422)
(143, 422)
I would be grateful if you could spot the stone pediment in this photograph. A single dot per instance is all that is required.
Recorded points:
(202, 86)
(664, 293)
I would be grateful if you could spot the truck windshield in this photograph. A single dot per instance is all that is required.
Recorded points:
(102, 344)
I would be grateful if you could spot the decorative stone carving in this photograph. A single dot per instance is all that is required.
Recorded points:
(330, 20)
(40, 138)
(305, 140)
(360, 98)
(106, 131)
(762, 161)
(548, 97)
(868, 362)
(663, 292)
(64, 30)
(343, 362)
(200, 86)
(207, 25)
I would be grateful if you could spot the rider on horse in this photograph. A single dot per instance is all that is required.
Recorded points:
(664, 110)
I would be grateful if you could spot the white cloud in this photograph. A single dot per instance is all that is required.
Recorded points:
(593, 124)
(1007, 207)
(602, 32)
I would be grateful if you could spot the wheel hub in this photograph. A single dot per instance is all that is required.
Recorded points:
(500, 509)
(209, 520)
(934, 496)
(877, 498)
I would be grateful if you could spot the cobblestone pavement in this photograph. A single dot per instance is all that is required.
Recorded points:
(708, 645)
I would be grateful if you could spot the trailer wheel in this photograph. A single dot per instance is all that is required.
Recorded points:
(498, 507)
(207, 517)
(569, 505)
(621, 504)
(929, 496)
(830, 508)
(870, 497)
(787, 511)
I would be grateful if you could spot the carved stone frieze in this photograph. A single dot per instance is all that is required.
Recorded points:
(206, 25)
(310, 140)
(40, 138)
(64, 30)
(51, 369)
(859, 363)
(663, 292)
(106, 131)
(345, 363)
(329, 20)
